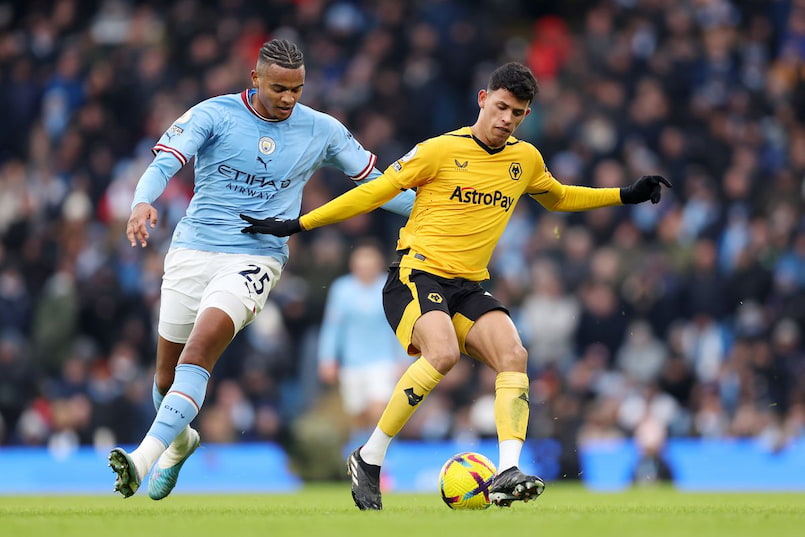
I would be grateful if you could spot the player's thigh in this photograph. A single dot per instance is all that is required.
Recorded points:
(469, 303)
(239, 286)
(486, 332)
(435, 336)
(494, 340)
(185, 277)
(416, 308)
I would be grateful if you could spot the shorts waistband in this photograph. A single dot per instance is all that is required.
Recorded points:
(402, 253)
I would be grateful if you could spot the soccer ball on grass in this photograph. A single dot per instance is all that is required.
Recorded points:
(465, 479)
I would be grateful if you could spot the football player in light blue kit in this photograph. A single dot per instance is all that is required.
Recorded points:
(254, 152)
(353, 322)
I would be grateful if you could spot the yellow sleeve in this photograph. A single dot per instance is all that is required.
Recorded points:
(558, 197)
(418, 166)
(361, 199)
(555, 196)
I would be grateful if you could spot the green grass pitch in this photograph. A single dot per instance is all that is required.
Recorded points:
(325, 510)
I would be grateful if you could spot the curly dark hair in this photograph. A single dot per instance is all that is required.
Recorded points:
(281, 52)
(515, 77)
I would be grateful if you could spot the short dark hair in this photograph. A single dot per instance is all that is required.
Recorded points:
(515, 77)
(281, 52)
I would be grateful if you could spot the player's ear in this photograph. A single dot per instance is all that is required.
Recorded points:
(482, 94)
(254, 78)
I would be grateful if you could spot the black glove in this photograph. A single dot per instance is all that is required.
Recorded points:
(644, 189)
(271, 226)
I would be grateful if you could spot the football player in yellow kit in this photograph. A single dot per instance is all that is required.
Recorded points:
(467, 183)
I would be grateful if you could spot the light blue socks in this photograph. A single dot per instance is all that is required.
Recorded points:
(156, 397)
(181, 404)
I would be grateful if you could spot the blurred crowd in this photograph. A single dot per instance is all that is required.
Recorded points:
(681, 319)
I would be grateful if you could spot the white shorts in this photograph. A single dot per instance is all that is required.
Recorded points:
(361, 386)
(195, 280)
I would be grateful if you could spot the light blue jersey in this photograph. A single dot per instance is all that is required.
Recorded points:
(245, 163)
(354, 331)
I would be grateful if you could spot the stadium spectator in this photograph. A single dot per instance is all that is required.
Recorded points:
(549, 319)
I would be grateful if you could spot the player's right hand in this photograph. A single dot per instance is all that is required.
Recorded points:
(136, 228)
(271, 226)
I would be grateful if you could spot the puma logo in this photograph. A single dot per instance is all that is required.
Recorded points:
(263, 162)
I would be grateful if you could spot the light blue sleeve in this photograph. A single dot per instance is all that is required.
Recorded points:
(331, 324)
(177, 145)
(155, 178)
(348, 155)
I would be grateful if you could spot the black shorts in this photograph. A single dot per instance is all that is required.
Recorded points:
(409, 293)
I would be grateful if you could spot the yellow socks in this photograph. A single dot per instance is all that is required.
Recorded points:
(412, 388)
(511, 405)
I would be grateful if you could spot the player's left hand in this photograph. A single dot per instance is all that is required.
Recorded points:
(644, 189)
(271, 226)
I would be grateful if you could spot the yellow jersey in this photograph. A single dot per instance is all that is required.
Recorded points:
(465, 195)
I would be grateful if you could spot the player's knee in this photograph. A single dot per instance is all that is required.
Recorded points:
(199, 357)
(233, 306)
(202, 352)
(514, 359)
(443, 359)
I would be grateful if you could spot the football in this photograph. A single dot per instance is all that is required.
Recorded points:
(465, 479)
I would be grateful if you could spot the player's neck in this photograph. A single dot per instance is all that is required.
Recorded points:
(262, 114)
(484, 143)
(482, 139)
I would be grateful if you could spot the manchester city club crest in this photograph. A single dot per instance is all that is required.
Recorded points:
(267, 145)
